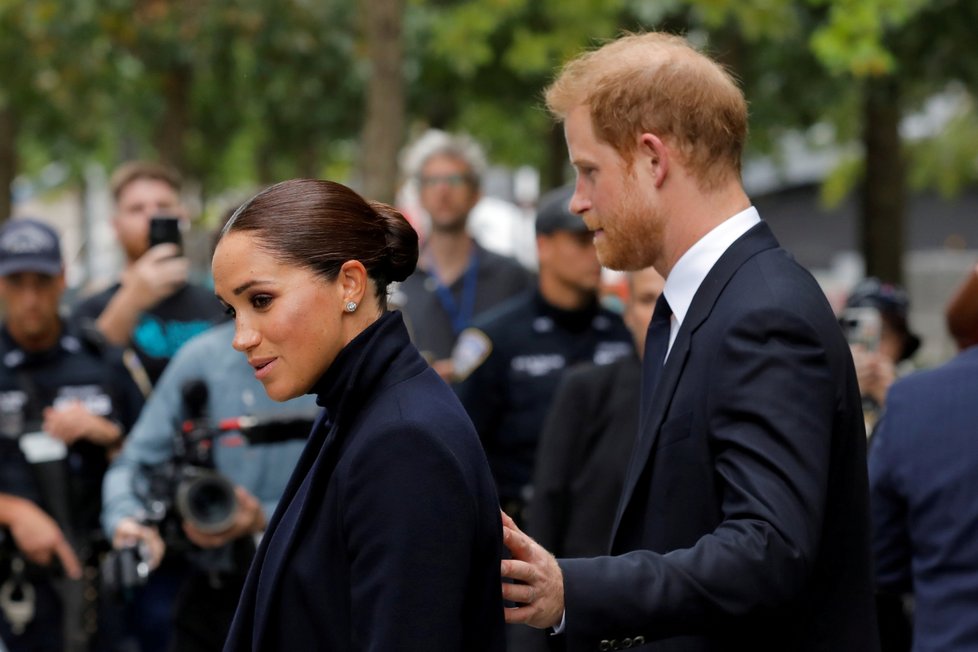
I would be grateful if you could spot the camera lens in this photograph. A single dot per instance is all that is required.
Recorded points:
(207, 502)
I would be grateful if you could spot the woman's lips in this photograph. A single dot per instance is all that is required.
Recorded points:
(263, 366)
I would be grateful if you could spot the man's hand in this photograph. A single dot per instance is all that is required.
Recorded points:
(73, 421)
(874, 373)
(541, 587)
(157, 274)
(40, 539)
(129, 532)
(249, 519)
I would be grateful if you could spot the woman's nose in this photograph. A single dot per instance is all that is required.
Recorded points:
(245, 338)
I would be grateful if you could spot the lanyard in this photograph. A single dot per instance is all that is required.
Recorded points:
(459, 313)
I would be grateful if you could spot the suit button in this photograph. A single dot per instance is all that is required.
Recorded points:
(626, 643)
(604, 646)
(638, 640)
(614, 644)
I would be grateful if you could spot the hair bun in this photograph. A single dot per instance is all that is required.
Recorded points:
(401, 242)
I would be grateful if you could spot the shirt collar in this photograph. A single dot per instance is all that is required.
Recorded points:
(693, 266)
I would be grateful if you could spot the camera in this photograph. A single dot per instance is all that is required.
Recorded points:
(189, 488)
(862, 326)
(125, 569)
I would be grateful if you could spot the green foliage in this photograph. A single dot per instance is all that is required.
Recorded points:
(948, 161)
(259, 90)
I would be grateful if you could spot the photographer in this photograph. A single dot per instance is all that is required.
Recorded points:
(153, 308)
(875, 320)
(218, 560)
(66, 400)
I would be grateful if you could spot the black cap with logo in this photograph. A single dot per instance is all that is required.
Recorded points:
(27, 245)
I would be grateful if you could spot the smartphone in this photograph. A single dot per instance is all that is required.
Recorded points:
(165, 228)
(862, 326)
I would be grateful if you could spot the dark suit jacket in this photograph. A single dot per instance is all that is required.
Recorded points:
(923, 471)
(388, 536)
(582, 457)
(744, 521)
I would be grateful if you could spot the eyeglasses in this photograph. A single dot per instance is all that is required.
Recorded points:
(452, 180)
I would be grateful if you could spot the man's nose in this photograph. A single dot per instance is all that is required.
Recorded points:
(578, 203)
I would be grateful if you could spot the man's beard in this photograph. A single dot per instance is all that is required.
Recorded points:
(454, 227)
(632, 237)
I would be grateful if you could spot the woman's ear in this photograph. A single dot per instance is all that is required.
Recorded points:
(353, 282)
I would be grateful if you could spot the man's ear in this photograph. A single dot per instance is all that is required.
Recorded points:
(654, 156)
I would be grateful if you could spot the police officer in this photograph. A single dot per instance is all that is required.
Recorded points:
(66, 400)
(510, 363)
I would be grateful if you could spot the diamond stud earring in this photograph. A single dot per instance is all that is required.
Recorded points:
(351, 306)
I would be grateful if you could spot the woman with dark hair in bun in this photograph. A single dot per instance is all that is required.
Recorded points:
(388, 536)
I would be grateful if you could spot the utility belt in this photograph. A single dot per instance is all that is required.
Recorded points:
(21, 582)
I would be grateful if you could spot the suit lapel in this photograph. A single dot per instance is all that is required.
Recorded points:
(655, 408)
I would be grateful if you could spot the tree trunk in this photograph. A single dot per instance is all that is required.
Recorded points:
(383, 129)
(556, 159)
(884, 189)
(172, 130)
(8, 160)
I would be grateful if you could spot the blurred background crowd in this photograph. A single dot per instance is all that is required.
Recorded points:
(863, 159)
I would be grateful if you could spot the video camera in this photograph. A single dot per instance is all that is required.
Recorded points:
(188, 487)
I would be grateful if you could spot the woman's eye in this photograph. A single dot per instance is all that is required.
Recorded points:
(260, 301)
(229, 311)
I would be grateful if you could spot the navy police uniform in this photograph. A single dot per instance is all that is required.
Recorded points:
(510, 364)
(68, 484)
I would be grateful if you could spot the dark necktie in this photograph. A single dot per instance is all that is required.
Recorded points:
(656, 345)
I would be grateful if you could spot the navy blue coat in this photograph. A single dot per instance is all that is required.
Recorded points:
(923, 472)
(743, 523)
(388, 536)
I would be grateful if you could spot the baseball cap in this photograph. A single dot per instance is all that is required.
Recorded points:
(885, 297)
(27, 245)
(553, 213)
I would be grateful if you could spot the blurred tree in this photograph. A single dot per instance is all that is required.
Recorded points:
(259, 90)
(269, 82)
(925, 49)
(481, 65)
(383, 131)
(50, 93)
(857, 68)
